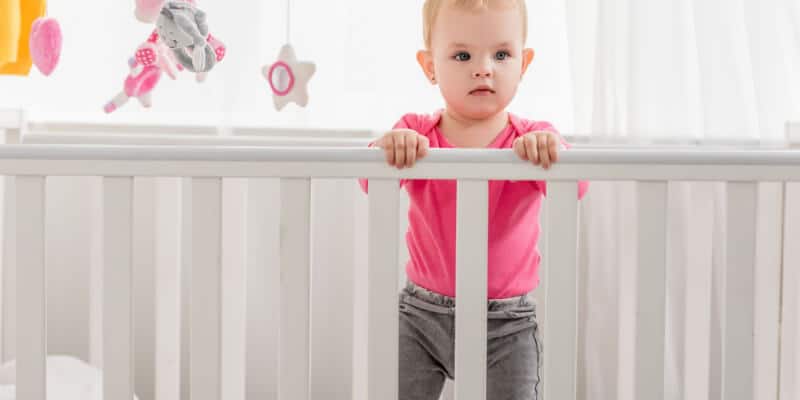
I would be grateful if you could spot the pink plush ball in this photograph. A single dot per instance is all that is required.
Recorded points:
(147, 10)
(45, 44)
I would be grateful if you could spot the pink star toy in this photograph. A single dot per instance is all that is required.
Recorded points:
(288, 78)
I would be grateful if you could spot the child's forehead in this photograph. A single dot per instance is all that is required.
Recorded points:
(458, 27)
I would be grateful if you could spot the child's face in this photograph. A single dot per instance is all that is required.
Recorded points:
(477, 59)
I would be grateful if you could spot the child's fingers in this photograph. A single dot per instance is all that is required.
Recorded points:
(411, 150)
(544, 154)
(422, 146)
(519, 148)
(387, 143)
(553, 144)
(531, 150)
(399, 151)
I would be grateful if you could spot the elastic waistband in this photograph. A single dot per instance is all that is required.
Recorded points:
(419, 292)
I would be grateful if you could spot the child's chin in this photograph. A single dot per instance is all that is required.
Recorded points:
(481, 112)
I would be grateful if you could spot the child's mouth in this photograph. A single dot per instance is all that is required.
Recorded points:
(482, 92)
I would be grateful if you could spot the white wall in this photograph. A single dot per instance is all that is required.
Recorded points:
(367, 74)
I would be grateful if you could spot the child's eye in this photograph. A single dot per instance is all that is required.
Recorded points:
(502, 55)
(462, 56)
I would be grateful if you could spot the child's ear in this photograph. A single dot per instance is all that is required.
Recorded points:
(425, 60)
(527, 58)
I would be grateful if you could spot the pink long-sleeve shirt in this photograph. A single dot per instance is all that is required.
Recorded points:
(513, 259)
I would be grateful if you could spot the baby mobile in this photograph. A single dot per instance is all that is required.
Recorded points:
(28, 37)
(180, 40)
(287, 77)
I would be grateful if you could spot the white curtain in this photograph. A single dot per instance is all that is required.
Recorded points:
(639, 69)
(703, 69)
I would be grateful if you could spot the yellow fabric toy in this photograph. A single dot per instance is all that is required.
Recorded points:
(9, 30)
(16, 19)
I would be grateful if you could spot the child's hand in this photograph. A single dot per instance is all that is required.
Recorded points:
(538, 147)
(403, 147)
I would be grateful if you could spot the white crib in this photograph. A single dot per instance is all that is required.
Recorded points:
(753, 306)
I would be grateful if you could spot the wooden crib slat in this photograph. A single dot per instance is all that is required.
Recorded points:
(185, 293)
(117, 288)
(295, 289)
(206, 290)
(790, 312)
(169, 251)
(738, 314)
(651, 290)
(263, 289)
(767, 280)
(382, 282)
(697, 322)
(31, 300)
(472, 235)
(560, 360)
(332, 249)
(9, 287)
(144, 286)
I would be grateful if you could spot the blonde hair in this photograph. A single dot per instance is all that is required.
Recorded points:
(431, 10)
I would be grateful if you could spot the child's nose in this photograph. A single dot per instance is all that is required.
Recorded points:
(482, 73)
(482, 70)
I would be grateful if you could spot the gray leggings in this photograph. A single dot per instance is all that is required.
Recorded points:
(427, 334)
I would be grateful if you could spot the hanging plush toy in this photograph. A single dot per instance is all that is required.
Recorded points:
(28, 37)
(149, 61)
(45, 44)
(147, 10)
(287, 77)
(183, 28)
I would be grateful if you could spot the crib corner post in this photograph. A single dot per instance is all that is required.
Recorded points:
(13, 124)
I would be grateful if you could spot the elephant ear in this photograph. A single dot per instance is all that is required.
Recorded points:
(202, 22)
(189, 27)
(167, 12)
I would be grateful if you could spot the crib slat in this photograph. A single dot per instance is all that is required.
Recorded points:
(117, 293)
(170, 250)
(651, 290)
(332, 248)
(790, 312)
(560, 360)
(31, 300)
(185, 293)
(472, 234)
(144, 286)
(382, 305)
(767, 290)
(206, 290)
(738, 315)
(295, 289)
(263, 290)
(9, 287)
(697, 322)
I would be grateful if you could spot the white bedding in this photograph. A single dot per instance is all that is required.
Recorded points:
(68, 378)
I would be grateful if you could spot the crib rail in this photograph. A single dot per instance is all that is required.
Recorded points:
(472, 168)
(178, 161)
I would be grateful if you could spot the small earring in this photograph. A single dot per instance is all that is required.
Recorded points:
(433, 80)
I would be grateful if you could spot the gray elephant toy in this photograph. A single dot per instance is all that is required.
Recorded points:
(183, 28)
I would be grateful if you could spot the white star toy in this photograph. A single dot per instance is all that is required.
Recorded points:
(288, 78)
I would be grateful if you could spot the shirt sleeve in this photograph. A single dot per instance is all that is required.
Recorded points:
(583, 186)
(409, 121)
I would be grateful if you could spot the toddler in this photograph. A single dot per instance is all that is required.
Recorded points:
(474, 51)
